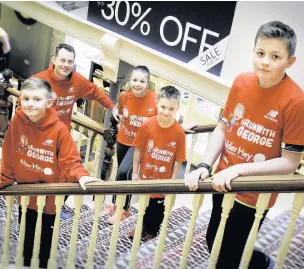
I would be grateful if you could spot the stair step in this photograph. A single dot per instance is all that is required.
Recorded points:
(173, 246)
(178, 218)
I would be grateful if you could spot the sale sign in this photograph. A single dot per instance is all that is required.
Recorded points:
(196, 33)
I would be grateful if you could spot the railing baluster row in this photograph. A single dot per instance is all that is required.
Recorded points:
(227, 205)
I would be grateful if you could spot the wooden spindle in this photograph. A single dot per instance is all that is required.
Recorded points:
(73, 127)
(86, 160)
(261, 206)
(169, 202)
(71, 257)
(120, 201)
(189, 161)
(98, 204)
(81, 130)
(24, 203)
(59, 201)
(37, 239)
(5, 255)
(97, 157)
(143, 203)
(227, 204)
(196, 205)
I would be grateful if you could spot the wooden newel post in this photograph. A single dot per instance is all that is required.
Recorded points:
(4, 103)
(110, 136)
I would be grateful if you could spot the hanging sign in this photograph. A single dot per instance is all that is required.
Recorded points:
(196, 33)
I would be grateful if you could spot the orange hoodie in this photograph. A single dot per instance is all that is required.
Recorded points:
(42, 152)
(69, 91)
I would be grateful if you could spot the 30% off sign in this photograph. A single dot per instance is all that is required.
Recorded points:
(123, 12)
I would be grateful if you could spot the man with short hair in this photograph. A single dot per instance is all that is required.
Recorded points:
(68, 85)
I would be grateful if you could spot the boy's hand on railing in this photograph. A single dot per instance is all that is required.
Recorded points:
(135, 176)
(221, 181)
(116, 115)
(86, 179)
(188, 128)
(125, 112)
(191, 180)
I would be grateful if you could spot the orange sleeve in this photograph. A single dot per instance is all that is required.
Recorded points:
(293, 129)
(181, 148)
(140, 135)
(92, 92)
(122, 101)
(7, 176)
(69, 161)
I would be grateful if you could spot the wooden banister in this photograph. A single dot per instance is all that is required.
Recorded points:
(284, 183)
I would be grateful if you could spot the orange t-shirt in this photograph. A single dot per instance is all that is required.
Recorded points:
(139, 109)
(259, 123)
(159, 148)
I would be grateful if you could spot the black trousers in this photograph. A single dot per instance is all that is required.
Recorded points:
(237, 229)
(125, 167)
(46, 236)
(154, 216)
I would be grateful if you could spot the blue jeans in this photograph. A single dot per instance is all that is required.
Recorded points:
(125, 168)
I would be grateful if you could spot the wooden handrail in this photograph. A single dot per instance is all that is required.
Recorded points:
(87, 122)
(204, 128)
(283, 183)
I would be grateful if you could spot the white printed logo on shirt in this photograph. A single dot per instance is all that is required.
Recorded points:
(150, 146)
(48, 171)
(271, 115)
(172, 144)
(162, 169)
(48, 142)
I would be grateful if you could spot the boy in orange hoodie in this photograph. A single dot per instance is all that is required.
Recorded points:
(38, 148)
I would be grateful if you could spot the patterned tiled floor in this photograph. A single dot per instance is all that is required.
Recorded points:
(268, 240)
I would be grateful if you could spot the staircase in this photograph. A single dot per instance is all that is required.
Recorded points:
(269, 239)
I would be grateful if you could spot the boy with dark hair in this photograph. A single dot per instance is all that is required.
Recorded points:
(272, 127)
(160, 148)
(38, 148)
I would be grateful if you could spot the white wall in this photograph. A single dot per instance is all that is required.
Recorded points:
(249, 16)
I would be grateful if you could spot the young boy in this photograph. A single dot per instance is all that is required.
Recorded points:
(38, 148)
(272, 126)
(160, 148)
